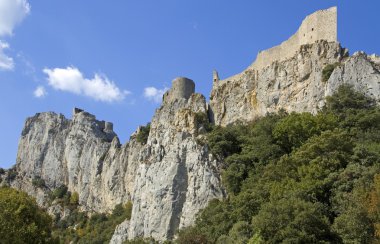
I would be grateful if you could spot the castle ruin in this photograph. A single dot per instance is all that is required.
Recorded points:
(181, 88)
(321, 25)
(215, 76)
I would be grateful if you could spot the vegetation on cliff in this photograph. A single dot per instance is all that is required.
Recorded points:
(298, 178)
(97, 228)
(142, 136)
(292, 178)
(21, 220)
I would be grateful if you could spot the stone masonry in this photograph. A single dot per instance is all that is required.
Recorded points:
(321, 25)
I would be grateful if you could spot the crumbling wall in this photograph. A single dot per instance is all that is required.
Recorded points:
(321, 25)
(181, 88)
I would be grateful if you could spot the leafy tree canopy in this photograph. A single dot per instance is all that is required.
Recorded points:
(21, 220)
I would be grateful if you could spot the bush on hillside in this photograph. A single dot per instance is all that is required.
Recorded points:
(142, 136)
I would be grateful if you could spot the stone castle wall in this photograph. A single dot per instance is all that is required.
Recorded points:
(181, 88)
(321, 25)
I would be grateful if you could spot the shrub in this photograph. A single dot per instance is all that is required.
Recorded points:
(12, 174)
(299, 178)
(347, 98)
(201, 119)
(59, 192)
(327, 71)
(224, 142)
(141, 241)
(74, 198)
(191, 235)
(142, 136)
(38, 182)
(21, 220)
(128, 210)
(2, 171)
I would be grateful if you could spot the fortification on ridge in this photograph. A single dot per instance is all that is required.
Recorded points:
(321, 25)
(181, 88)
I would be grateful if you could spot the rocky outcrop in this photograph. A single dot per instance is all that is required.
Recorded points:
(177, 176)
(168, 179)
(362, 71)
(295, 84)
(172, 175)
(82, 154)
(121, 233)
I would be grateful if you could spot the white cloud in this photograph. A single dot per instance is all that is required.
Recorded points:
(12, 12)
(6, 62)
(154, 94)
(71, 80)
(40, 92)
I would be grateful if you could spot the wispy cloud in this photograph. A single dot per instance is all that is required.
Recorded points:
(28, 66)
(70, 79)
(40, 92)
(6, 62)
(12, 12)
(154, 94)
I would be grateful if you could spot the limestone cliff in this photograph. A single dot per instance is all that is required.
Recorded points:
(172, 175)
(177, 176)
(289, 76)
(82, 154)
(168, 179)
(295, 84)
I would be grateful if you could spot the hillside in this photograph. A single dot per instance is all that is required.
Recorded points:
(286, 151)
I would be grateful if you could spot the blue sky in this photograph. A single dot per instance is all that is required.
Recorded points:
(103, 55)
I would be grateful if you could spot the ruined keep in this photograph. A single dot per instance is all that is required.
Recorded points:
(171, 177)
(290, 76)
(182, 87)
(77, 111)
(321, 25)
(215, 76)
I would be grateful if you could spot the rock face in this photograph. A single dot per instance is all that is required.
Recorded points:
(172, 175)
(168, 179)
(177, 176)
(121, 233)
(82, 153)
(295, 84)
(362, 71)
(289, 76)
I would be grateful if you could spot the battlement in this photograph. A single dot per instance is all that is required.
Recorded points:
(77, 111)
(181, 88)
(103, 125)
(215, 76)
(321, 25)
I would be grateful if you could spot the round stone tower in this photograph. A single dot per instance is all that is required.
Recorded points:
(182, 88)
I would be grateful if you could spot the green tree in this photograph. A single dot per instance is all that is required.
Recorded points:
(292, 220)
(346, 98)
(215, 220)
(74, 198)
(224, 142)
(354, 226)
(38, 182)
(294, 130)
(191, 235)
(142, 136)
(21, 220)
(240, 232)
(327, 71)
